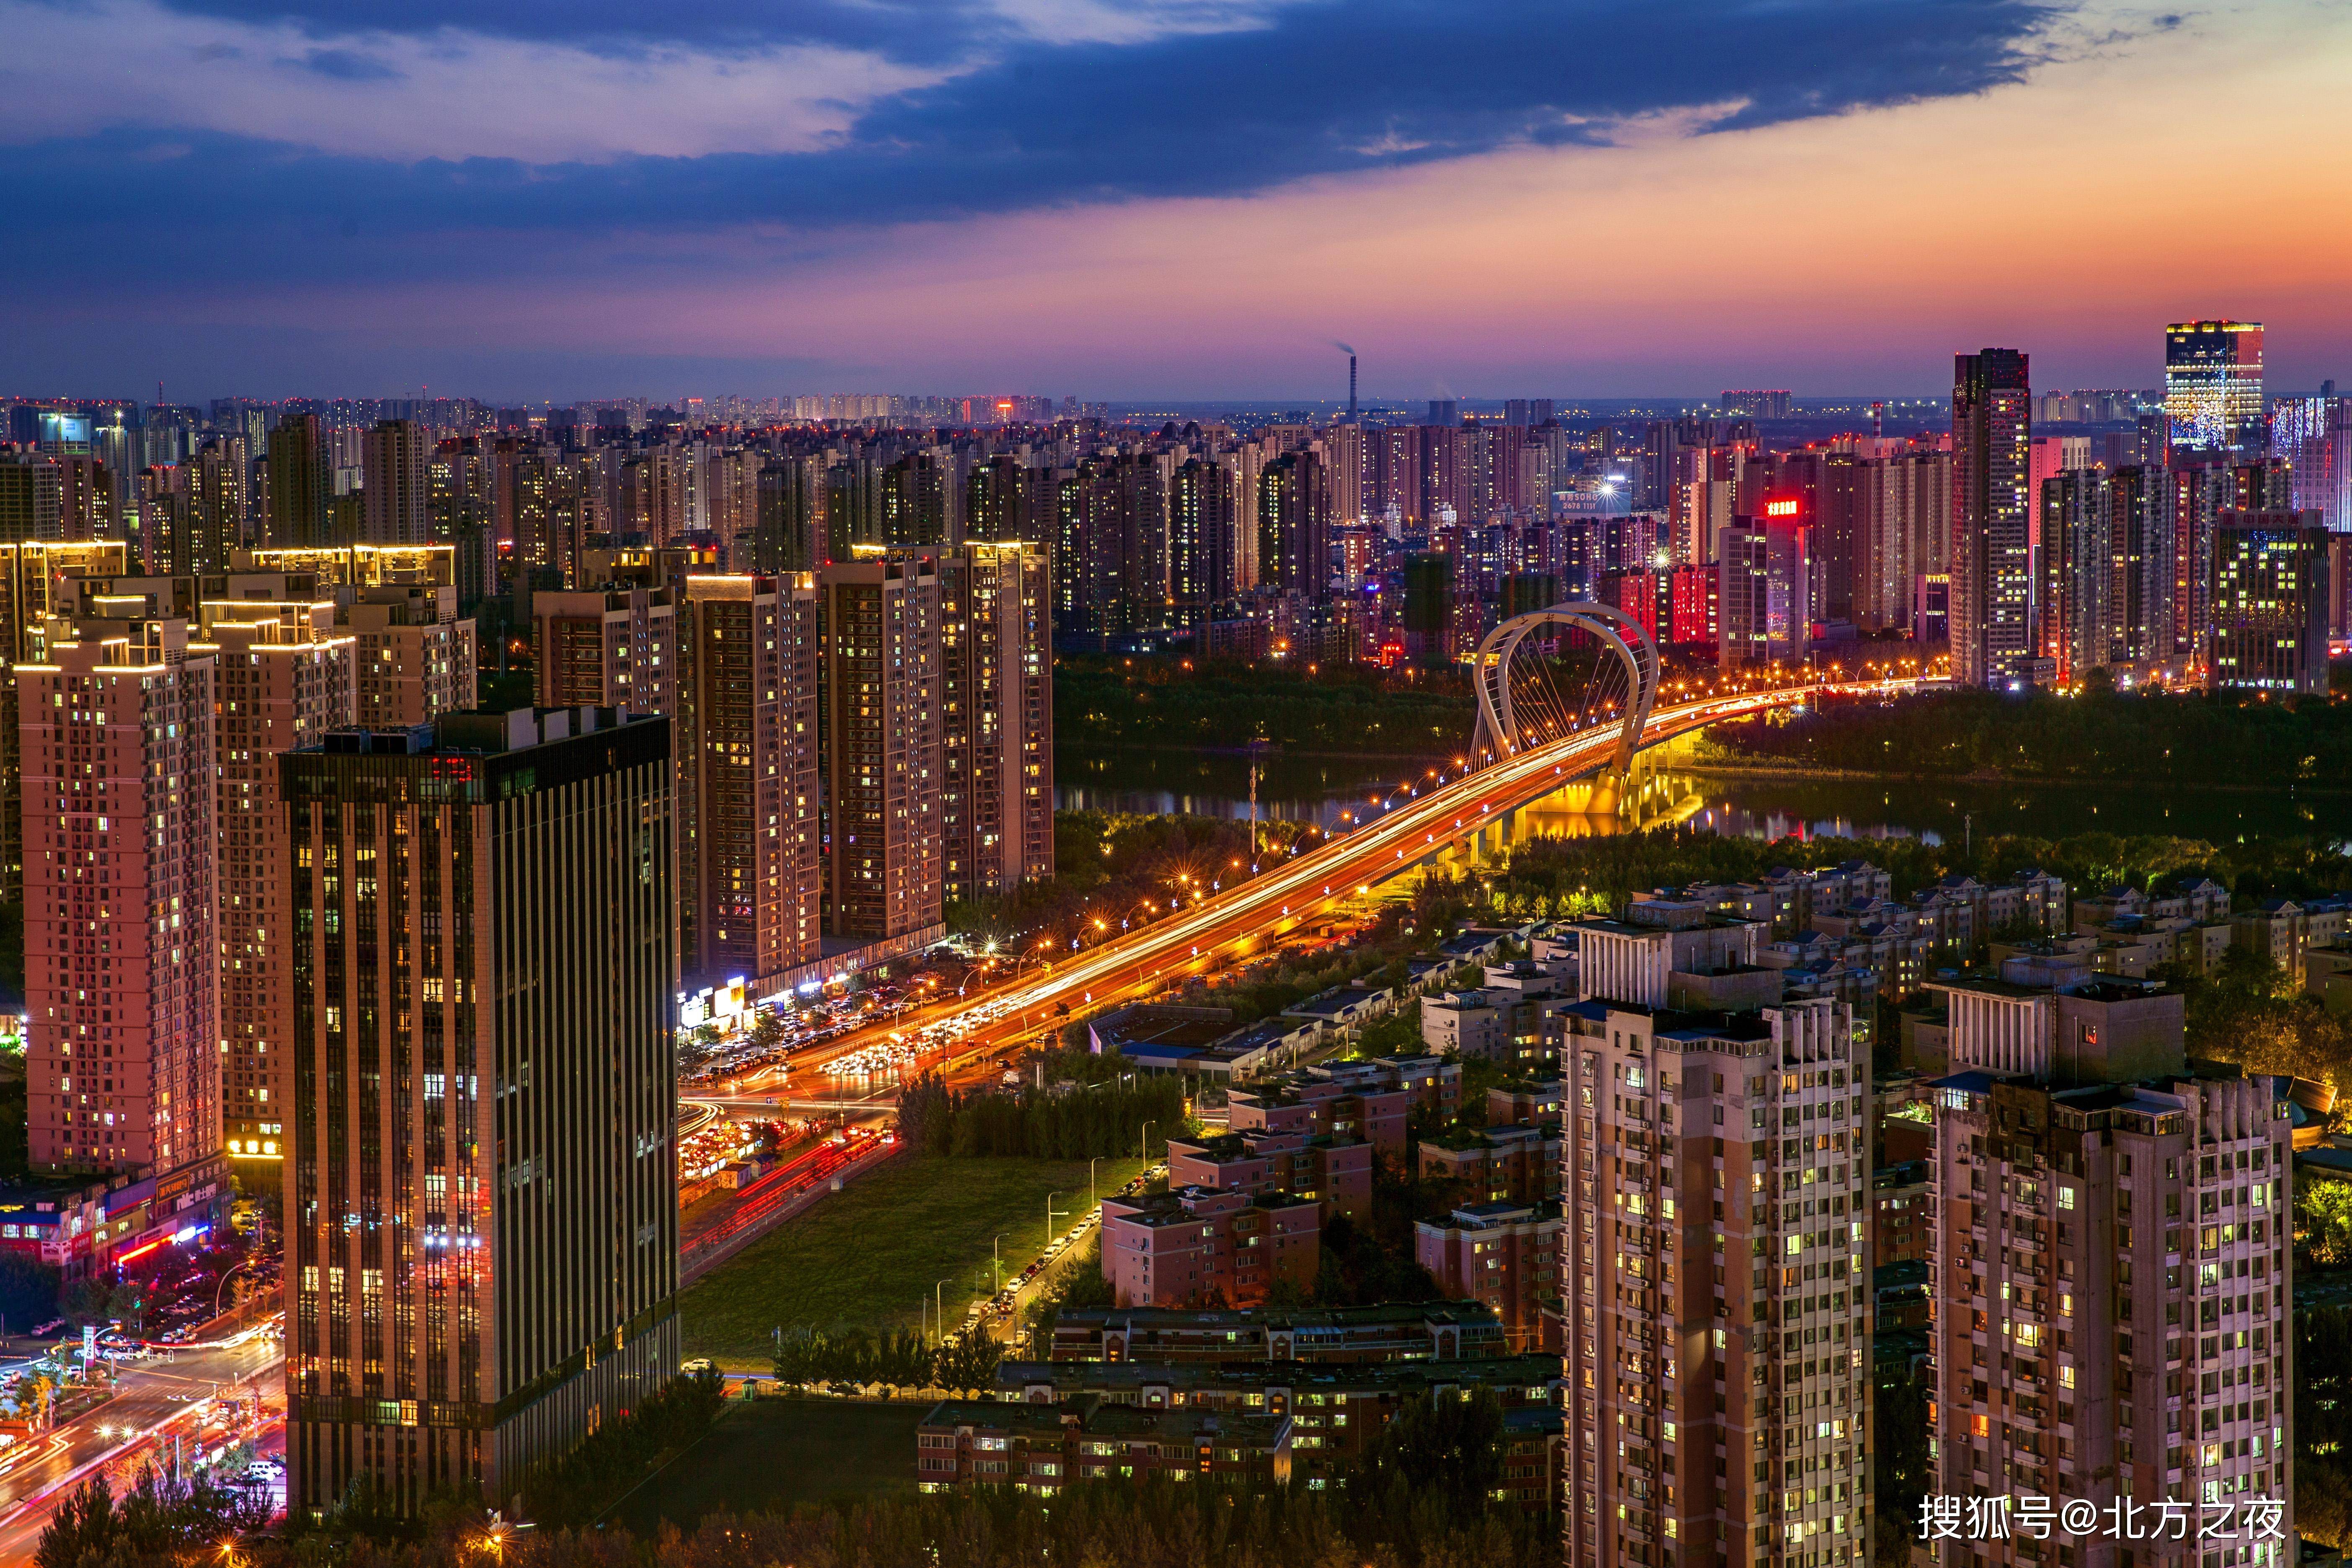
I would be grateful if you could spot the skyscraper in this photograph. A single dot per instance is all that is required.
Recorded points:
(2108, 1259)
(284, 677)
(393, 508)
(751, 882)
(1993, 519)
(481, 1216)
(1716, 1319)
(121, 963)
(1294, 526)
(996, 719)
(2269, 603)
(300, 474)
(884, 768)
(2213, 384)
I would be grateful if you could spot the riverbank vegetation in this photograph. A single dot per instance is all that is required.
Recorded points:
(2142, 738)
(1348, 710)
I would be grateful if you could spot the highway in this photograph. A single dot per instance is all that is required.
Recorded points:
(1213, 932)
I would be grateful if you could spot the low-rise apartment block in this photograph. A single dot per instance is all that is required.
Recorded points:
(1336, 1173)
(1513, 1161)
(1200, 1247)
(1421, 1330)
(1041, 1448)
(1504, 1254)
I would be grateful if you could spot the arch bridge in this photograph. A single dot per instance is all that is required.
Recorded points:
(1538, 700)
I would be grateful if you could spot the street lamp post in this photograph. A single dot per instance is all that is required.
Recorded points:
(1092, 1201)
(1050, 1212)
(997, 1257)
(1145, 1150)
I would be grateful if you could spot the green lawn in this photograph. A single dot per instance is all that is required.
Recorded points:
(868, 1255)
(768, 1454)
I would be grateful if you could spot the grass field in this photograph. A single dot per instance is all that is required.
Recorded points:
(868, 1255)
(770, 1454)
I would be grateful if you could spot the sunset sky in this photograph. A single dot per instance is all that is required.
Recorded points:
(1171, 198)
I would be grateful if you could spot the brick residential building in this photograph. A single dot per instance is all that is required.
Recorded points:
(1518, 1163)
(1041, 1448)
(1504, 1254)
(1334, 1173)
(121, 856)
(1196, 1246)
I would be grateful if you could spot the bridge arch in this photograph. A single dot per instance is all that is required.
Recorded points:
(1624, 683)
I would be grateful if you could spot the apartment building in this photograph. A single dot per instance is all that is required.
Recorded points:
(1200, 1247)
(1504, 1253)
(1041, 1448)
(882, 738)
(1716, 1314)
(1518, 1163)
(1335, 1172)
(115, 736)
(284, 677)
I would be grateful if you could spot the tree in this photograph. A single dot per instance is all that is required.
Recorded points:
(28, 1289)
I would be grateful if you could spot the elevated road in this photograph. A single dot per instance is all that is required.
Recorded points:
(1242, 920)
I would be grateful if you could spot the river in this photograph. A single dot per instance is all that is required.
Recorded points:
(1323, 790)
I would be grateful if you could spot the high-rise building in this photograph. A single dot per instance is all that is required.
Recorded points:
(1201, 537)
(884, 768)
(301, 482)
(32, 497)
(394, 509)
(2213, 384)
(481, 1214)
(283, 679)
(751, 881)
(1294, 526)
(121, 961)
(1992, 520)
(2109, 1265)
(2269, 602)
(1764, 595)
(607, 648)
(996, 710)
(1714, 1181)
(415, 656)
(1772, 404)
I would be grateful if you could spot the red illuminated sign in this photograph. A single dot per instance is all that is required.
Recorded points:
(1780, 508)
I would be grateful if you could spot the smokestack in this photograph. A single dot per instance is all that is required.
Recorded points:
(1351, 389)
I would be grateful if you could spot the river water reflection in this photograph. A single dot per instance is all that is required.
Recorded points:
(1328, 791)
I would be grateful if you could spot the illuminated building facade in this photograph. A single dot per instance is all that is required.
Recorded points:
(2269, 626)
(121, 966)
(884, 768)
(481, 1214)
(2213, 384)
(283, 679)
(1993, 514)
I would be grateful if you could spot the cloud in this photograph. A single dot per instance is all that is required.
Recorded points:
(344, 65)
(427, 129)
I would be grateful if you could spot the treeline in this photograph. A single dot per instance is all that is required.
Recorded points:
(1555, 877)
(2248, 1012)
(900, 1358)
(1105, 1119)
(573, 1490)
(1424, 1500)
(1348, 710)
(2323, 1424)
(2224, 738)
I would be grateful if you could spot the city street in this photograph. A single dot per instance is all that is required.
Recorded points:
(156, 1400)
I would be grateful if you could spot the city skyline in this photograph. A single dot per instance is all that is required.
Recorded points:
(732, 207)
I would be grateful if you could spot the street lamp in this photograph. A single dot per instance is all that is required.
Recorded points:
(1145, 1150)
(1092, 1202)
(1050, 1214)
(997, 1257)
